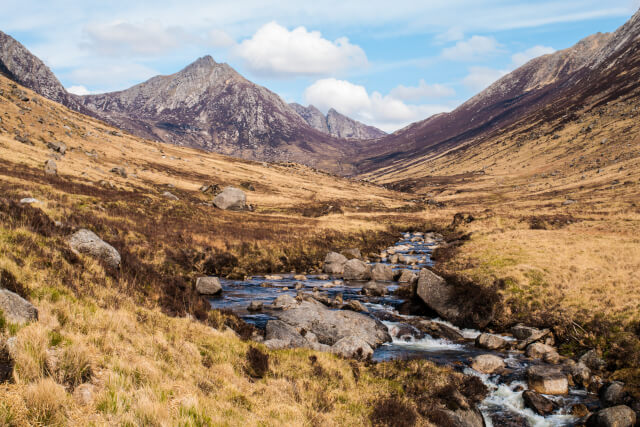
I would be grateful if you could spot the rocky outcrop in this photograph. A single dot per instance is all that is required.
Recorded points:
(336, 124)
(208, 285)
(16, 309)
(231, 199)
(88, 243)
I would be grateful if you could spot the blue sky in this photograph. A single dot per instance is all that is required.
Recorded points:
(384, 63)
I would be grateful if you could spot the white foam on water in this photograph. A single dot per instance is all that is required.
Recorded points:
(428, 343)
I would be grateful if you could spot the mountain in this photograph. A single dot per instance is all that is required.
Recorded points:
(568, 114)
(526, 89)
(21, 66)
(209, 105)
(336, 124)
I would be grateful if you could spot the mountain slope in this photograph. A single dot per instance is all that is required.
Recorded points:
(210, 106)
(336, 124)
(526, 89)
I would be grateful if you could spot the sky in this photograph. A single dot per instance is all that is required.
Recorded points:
(387, 64)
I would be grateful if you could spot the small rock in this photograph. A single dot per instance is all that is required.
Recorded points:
(592, 360)
(334, 263)
(28, 201)
(491, 342)
(255, 306)
(538, 350)
(616, 416)
(356, 305)
(538, 403)
(352, 347)
(230, 199)
(487, 363)
(374, 289)
(84, 394)
(170, 196)
(300, 277)
(408, 276)
(208, 285)
(352, 253)
(86, 242)
(614, 394)
(17, 309)
(355, 269)
(382, 273)
(284, 302)
(579, 410)
(58, 146)
(119, 171)
(50, 167)
(581, 374)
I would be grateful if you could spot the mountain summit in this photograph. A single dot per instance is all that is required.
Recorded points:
(336, 124)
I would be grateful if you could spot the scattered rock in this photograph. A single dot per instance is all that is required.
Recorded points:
(119, 171)
(491, 342)
(208, 285)
(579, 410)
(231, 199)
(614, 394)
(616, 416)
(487, 363)
(547, 380)
(592, 360)
(374, 289)
(382, 273)
(300, 277)
(538, 403)
(334, 263)
(356, 269)
(28, 201)
(408, 276)
(352, 347)
(356, 305)
(581, 374)
(86, 242)
(537, 350)
(170, 196)
(463, 418)
(58, 146)
(284, 302)
(50, 167)
(17, 309)
(352, 253)
(438, 330)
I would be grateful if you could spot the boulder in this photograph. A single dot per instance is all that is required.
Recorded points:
(255, 306)
(28, 201)
(547, 380)
(374, 289)
(356, 305)
(382, 273)
(330, 326)
(408, 276)
(208, 285)
(170, 195)
(356, 269)
(491, 342)
(231, 199)
(284, 302)
(278, 330)
(50, 167)
(352, 253)
(592, 360)
(463, 418)
(86, 242)
(538, 403)
(614, 394)
(16, 309)
(442, 298)
(527, 335)
(405, 332)
(487, 363)
(352, 347)
(438, 330)
(581, 374)
(616, 416)
(537, 350)
(334, 263)
(58, 146)
(119, 171)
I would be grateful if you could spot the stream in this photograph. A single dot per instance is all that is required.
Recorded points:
(504, 406)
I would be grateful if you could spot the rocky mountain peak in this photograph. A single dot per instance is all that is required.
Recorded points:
(336, 124)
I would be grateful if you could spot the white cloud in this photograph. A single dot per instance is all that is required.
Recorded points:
(78, 90)
(274, 50)
(423, 90)
(453, 34)
(219, 38)
(383, 111)
(472, 49)
(124, 38)
(521, 58)
(110, 76)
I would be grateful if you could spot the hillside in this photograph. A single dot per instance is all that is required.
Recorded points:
(336, 124)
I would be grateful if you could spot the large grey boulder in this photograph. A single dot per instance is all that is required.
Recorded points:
(330, 326)
(616, 416)
(487, 363)
(464, 418)
(491, 342)
(355, 269)
(208, 285)
(352, 347)
(334, 263)
(279, 330)
(547, 380)
(86, 242)
(444, 299)
(382, 273)
(230, 198)
(16, 309)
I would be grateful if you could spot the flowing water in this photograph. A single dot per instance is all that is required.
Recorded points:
(503, 406)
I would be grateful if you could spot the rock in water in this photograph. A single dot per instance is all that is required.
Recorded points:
(231, 199)
(374, 289)
(355, 269)
(491, 342)
(547, 380)
(616, 416)
(16, 309)
(50, 167)
(330, 326)
(208, 285)
(382, 273)
(487, 363)
(538, 403)
(86, 242)
(408, 276)
(334, 263)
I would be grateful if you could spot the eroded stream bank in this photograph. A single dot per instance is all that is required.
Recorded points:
(365, 309)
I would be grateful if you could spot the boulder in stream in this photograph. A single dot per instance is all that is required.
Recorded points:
(491, 342)
(538, 403)
(382, 273)
(616, 416)
(355, 269)
(487, 363)
(208, 285)
(334, 263)
(374, 289)
(547, 380)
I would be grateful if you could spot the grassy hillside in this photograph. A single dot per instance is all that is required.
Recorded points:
(138, 346)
